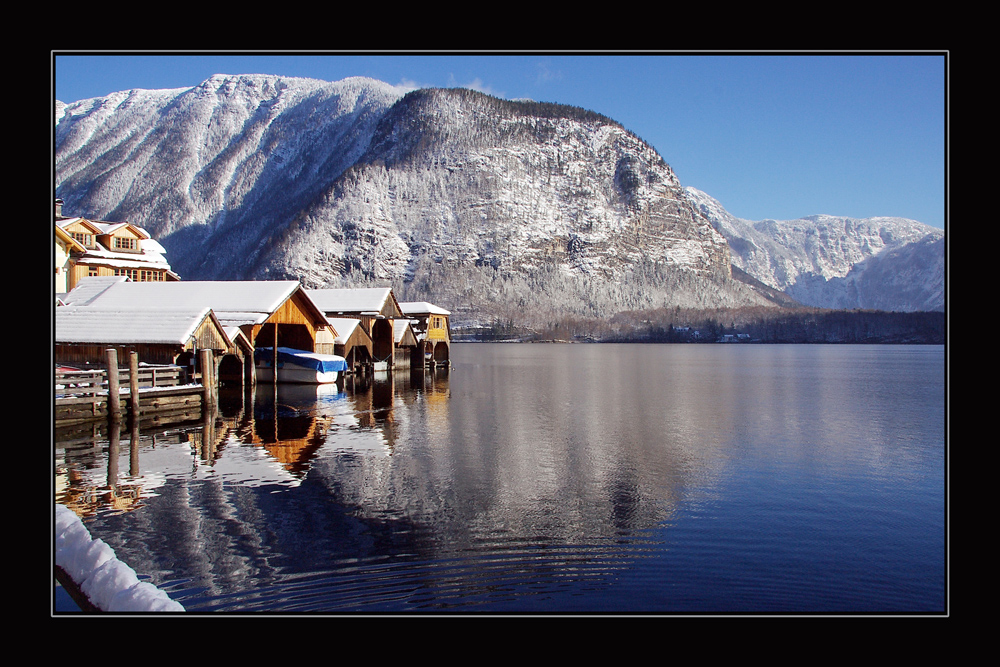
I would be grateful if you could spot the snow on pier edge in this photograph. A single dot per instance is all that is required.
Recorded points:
(109, 584)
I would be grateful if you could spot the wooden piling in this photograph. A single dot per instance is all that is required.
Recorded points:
(114, 400)
(207, 380)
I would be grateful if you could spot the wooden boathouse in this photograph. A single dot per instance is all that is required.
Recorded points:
(255, 313)
(352, 343)
(406, 344)
(375, 307)
(432, 330)
(83, 334)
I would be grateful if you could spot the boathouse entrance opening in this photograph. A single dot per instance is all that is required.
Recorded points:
(186, 360)
(358, 356)
(231, 371)
(441, 353)
(383, 347)
(296, 336)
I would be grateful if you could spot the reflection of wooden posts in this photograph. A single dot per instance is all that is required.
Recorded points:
(133, 459)
(114, 434)
(133, 383)
(114, 400)
(207, 432)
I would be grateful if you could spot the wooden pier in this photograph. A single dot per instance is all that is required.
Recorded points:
(154, 393)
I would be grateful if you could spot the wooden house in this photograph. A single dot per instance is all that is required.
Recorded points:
(432, 330)
(107, 249)
(66, 248)
(267, 313)
(377, 309)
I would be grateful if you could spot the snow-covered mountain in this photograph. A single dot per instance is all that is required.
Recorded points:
(827, 261)
(491, 207)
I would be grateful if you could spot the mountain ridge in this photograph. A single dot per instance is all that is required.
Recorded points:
(495, 208)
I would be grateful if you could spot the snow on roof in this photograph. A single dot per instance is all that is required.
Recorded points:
(349, 300)
(233, 332)
(237, 319)
(152, 245)
(344, 326)
(152, 253)
(66, 222)
(111, 227)
(244, 299)
(89, 288)
(89, 324)
(399, 328)
(421, 307)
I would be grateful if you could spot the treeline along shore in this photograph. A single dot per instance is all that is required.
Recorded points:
(738, 325)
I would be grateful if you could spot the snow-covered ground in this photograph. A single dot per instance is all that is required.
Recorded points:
(110, 584)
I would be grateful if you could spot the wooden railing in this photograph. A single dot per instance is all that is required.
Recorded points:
(95, 382)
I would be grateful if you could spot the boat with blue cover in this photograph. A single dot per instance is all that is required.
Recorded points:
(299, 366)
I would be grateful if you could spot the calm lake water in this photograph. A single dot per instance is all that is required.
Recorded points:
(549, 478)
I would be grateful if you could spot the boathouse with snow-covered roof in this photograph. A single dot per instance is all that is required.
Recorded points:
(268, 314)
(170, 336)
(375, 307)
(432, 330)
(352, 342)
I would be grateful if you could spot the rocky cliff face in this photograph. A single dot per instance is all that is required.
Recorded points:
(489, 207)
(827, 261)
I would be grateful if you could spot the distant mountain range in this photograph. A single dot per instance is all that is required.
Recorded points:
(491, 208)
(835, 262)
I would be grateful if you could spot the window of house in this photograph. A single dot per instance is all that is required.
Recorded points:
(83, 238)
(121, 243)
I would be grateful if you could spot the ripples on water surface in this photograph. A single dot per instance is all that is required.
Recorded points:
(548, 478)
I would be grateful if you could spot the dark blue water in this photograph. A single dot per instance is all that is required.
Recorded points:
(551, 478)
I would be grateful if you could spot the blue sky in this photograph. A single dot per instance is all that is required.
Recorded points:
(777, 136)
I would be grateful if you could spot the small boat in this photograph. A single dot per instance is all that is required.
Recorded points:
(300, 366)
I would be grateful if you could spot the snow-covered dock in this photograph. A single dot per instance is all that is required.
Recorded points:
(89, 570)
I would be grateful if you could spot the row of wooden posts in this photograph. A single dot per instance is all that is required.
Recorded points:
(114, 396)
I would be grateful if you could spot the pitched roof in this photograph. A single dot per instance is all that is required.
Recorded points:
(66, 222)
(238, 295)
(89, 288)
(89, 324)
(112, 227)
(399, 329)
(344, 326)
(422, 308)
(68, 239)
(351, 300)
(234, 302)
